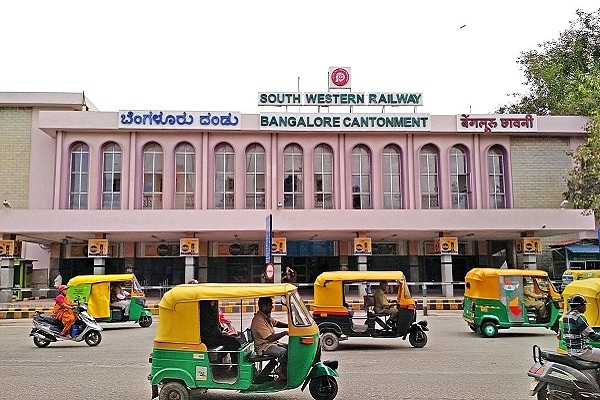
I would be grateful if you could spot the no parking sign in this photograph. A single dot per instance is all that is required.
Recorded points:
(270, 271)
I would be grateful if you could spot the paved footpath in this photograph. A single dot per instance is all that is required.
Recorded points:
(27, 308)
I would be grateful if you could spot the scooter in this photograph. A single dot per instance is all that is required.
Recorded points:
(46, 329)
(560, 376)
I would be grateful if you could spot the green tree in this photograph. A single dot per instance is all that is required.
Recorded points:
(563, 78)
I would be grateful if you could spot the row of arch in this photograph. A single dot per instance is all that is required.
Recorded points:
(255, 184)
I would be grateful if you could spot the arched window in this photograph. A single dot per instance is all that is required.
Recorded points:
(255, 177)
(153, 177)
(111, 177)
(459, 178)
(185, 176)
(392, 178)
(361, 178)
(224, 177)
(292, 177)
(430, 196)
(496, 177)
(323, 177)
(78, 189)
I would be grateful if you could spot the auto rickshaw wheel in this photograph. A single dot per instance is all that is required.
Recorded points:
(173, 391)
(40, 342)
(489, 329)
(93, 338)
(323, 387)
(329, 341)
(145, 321)
(417, 339)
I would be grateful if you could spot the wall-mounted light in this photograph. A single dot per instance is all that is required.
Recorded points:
(6, 204)
(279, 204)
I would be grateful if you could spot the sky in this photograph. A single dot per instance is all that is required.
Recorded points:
(217, 56)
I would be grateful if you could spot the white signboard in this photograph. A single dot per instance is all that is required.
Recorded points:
(326, 99)
(157, 119)
(349, 122)
(496, 123)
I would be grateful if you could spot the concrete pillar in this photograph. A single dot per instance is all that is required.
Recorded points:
(362, 263)
(189, 269)
(99, 266)
(7, 277)
(277, 265)
(529, 261)
(446, 261)
(413, 259)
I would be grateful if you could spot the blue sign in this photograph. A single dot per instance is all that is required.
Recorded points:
(268, 230)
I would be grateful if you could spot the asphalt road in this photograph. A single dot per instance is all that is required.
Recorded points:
(456, 364)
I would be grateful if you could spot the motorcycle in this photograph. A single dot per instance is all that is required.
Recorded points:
(226, 325)
(560, 376)
(46, 329)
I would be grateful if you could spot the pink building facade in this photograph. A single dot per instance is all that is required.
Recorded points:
(143, 180)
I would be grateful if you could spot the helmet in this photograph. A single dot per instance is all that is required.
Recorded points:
(191, 281)
(576, 300)
(61, 288)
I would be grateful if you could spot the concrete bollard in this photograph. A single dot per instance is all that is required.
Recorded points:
(424, 299)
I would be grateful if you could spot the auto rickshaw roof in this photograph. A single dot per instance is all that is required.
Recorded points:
(590, 289)
(83, 279)
(358, 276)
(222, 291)
(484, 282)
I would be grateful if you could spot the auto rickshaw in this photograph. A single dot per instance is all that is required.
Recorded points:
(590, 290)
(571, 275)
(494, 300)
(183, 366)
(95, 291)
(337, 321)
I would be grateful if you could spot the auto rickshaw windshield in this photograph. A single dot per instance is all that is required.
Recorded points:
(299, 314)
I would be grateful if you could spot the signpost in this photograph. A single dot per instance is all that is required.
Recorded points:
(268, 230)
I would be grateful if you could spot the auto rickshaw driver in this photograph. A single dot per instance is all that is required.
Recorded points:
(535, 300)
(384, 306)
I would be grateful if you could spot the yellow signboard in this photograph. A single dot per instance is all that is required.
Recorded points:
(529, 245)
(446, 245)
(188, 247)
(362, 246)
(278, 246)
(7, 248)
(98, 248)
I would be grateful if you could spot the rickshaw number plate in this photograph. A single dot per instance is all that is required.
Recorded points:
(201, 373)
(198, 356)
(533, 384)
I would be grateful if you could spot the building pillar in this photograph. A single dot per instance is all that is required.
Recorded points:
(189, 269)
(529, 261)
(99, 266)
(447, 289)
(362, 262)
(277, 266)
(7, 277)
(413, 260)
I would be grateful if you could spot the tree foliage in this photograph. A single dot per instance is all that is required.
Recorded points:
(563, 78)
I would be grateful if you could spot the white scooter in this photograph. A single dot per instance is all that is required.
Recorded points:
(47, 329)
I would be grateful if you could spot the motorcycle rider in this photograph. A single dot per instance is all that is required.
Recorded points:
(63, 311)
(576, 330)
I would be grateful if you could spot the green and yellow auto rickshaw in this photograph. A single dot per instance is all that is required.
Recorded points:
(97, 291)
(494, 300)
(590, 290)
(337, 321)
(183, 366)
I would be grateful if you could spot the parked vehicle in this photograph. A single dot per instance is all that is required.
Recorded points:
(46, 329)
(590, 290)
(560, 376)
(337, 321)
(572, 275)
(183, 366)
(494, 300)
(96, 290)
